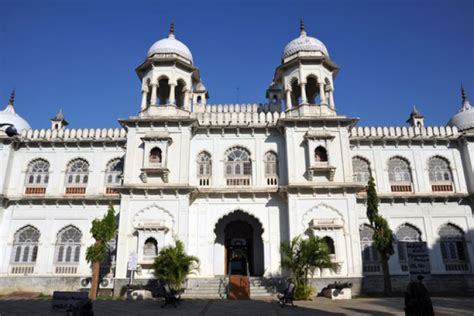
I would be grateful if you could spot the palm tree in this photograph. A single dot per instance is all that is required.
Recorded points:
(173, 265)
(302, 257)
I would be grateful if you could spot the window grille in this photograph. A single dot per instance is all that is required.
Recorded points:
(370, 255)
(453, 248)
(37, 177)
(399, 175)
(271, 168)
(238, 167)
(77, 176)
(204, 168)
(113, 175)
(68, 245)
(25, 245)
(361, 170)
(440, 175)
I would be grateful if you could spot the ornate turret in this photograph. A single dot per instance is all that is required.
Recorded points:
(416, 119)
(9, 116)
(464, 119)
(58, 121)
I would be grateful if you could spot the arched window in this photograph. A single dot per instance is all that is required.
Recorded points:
(330, 244)
(37, 173)
(155, 156)
(199, 99)
(204, 168)
(113, 172)
(271, 168)
(150, 249)
(25, 245)
(320, 154)
(163, 91)
(406, 234)
(440, 175)
(68, 245)
(361, 170)
(399, 175)
(295, 92)
(370, 255)
(453, 248)
(238, 166)
(77, 172)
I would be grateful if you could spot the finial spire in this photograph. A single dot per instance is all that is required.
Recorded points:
(463, 94)
(172, 28)
(302, 31)
(11, 101)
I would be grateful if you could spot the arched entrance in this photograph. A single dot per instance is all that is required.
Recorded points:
(239, 235)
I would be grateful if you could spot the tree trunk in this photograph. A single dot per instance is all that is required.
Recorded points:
(387, 281)
(95, 280)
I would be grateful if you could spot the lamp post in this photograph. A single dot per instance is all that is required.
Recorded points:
(10, 130)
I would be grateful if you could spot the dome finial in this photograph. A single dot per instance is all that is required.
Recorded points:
(302, 31)
(171, 33)
(463, 94)
(11, 101)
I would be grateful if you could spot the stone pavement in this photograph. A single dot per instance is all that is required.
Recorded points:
(319, 306)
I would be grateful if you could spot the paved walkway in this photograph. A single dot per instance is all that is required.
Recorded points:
(319, 306)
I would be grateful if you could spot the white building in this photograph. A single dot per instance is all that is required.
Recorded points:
(237, 178)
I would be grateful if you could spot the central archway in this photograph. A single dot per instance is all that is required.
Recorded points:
(239, 236)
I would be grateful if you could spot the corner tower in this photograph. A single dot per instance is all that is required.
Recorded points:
(305, 76)
(169, 77)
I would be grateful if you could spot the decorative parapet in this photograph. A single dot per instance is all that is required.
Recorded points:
(250, 115)
(404, 133)
(74, 135)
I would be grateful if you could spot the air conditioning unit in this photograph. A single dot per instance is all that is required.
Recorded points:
(86, 283)
(105, 283)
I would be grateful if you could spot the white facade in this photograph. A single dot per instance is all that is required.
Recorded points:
(207, 175)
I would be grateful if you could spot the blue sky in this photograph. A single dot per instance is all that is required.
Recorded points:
(81, 55)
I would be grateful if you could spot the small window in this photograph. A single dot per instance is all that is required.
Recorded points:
(68, 245)
(320, 154)
(330, 244)
(361, 170)
(77, 172)
(204, 164)
(439, 170)
(399, 170)
(113, 172)
(25, 245)
(155, 156)
(150, 248)
(37, 173)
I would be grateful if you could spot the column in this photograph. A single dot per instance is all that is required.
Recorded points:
(331, 99)
(144, 97)
(288, 99)
(186, 100)
(303, 93)
(154, 88)
(322, 94)
(172, 99)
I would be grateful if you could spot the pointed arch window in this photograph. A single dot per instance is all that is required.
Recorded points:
(271, 168)
(37, 177)
(113, 175)
(68, 246)
(150, 249)
(361, 169)
(406, 234)
(370, 255)
(330, 245)
(440, 174)
(399, 175)
(453, 248)
(238, 167)
(204, 168)
(77, 176)
(25, 245)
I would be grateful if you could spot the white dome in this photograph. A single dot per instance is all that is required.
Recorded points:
(170, 45)
(9, 116)
(464, 119)
(304, 43)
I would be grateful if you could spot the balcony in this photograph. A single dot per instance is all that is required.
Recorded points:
(321, 167)
(204, 181)
(65, 269)
(442, 187)
(456, 266)
(75, 190)
(401, 188)
(29, 190)
(24, 269)
(238, 181)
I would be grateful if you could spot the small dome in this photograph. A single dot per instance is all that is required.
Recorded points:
(171, 45)
(464, 119)
(10, 117)
(200, 87)
(304, 43)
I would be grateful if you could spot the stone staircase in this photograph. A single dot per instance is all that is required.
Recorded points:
(217, 288)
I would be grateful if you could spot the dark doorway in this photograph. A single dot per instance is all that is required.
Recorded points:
(239, 250)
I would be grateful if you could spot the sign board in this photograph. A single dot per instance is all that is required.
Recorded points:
(418, 258)
(63, 301)
(132, 261)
